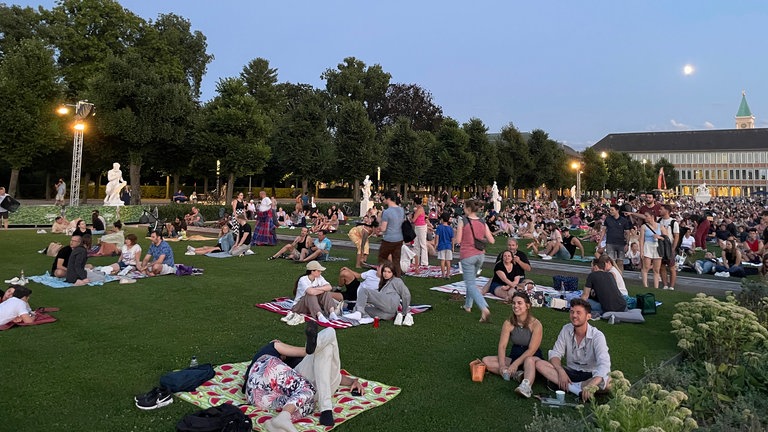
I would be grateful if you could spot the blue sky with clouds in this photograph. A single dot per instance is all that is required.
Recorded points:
(578, 70)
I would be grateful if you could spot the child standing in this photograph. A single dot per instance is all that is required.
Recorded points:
(444, 234)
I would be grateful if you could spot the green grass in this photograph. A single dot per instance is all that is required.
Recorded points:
(114, 341)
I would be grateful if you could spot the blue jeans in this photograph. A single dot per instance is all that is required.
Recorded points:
(706, 266)
(596, 306)
(469, 267)
(226, 242)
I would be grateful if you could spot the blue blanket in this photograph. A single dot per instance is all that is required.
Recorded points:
(55, 282)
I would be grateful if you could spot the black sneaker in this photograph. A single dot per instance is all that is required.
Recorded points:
(150, 394)
(162, 398)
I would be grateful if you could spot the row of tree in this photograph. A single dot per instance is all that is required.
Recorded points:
(144, 78)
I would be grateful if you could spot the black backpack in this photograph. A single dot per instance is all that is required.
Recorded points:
(221, 418)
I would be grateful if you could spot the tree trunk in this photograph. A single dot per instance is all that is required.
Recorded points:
(13, 183)
(135, 174)
(230, 187)
(98, 184)
(47, 186)
(176, 178)
(205, 184)
(304, 186)
(405, 192)
(356, 191)
(167, 188)
(84, 194)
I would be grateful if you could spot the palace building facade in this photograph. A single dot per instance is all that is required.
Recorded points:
(731, 162)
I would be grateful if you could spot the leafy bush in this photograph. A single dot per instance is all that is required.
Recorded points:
(554, 423)
(655, 409)
(717, 331)
(749, 412)
(754, 296)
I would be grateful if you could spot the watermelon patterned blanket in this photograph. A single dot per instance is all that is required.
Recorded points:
(226, 387)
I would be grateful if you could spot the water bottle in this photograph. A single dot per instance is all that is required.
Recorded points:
(505, 375)
(23, 278)
(193, 362)
(562, 290)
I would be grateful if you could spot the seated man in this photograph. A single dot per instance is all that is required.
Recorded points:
(321, 248)
(16, 308)
(242, 244)
(159, 258)
(179, 197)
(566, 249)
(59, 266)
(60, 225)
(76, 272)
(601, 290)
(584, 347)
(354, 281)
(295, 249)
(298, 379)
(194, 218)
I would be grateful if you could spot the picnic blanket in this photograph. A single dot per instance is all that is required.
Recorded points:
(54, 282)
(283, 305)
(461, 288)
(189, 238)
(41, 317)
(226, 387)
(431, 272)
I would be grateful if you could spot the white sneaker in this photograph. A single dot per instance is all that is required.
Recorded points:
(41, 251)
(542, 255)
(524, 389)
(546, 257)
(671, 288)
(190, 249)
(332, 316)
(665, 288)
(365, 320)
(698, 267)
(288, 317)
(408, 321)
(723, 274)
(296, 320)
(41, 231)
(354, 315)
(322, 319)
(190, 253)
(14, 281)
(399, 319)
(249, 252)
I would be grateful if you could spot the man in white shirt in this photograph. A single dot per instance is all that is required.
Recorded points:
(354, 281)
(16, 309)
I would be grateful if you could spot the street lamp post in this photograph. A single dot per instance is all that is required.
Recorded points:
(577, 167)
(644, 187)
(82, 110)
(603, 156)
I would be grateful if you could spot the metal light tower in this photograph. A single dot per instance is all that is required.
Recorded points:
(82, 110)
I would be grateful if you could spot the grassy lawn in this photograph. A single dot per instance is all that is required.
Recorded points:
(114, 341)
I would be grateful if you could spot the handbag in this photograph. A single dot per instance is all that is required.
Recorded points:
(477, 369)
(479, 243)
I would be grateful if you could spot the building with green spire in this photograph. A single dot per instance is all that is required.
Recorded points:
(744, 117)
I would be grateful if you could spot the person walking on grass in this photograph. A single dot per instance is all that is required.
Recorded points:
(472, 232)
(392, 231)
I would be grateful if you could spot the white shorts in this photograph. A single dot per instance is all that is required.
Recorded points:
(445, 255)
(59, 197)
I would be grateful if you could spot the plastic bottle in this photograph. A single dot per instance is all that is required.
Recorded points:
(23, 278)
(376, 322)
(193, 362)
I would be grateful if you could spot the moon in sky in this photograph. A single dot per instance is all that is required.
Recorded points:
(688, 69)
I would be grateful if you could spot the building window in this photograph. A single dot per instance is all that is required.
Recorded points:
(731, 177)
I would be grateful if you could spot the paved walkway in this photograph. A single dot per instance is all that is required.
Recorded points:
(688, 284)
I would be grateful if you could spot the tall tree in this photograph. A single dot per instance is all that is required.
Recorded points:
(261, 81)
(301, 142)
(29, 91)
(86, 33)
(515, 161)
(352, 80)
(406, 149)
(359, 154)
(541, 151)
(141, 110)
(452, 161)
(595, 177)
(486, 155)
(17, 24)
(234, 130)
(413, 102)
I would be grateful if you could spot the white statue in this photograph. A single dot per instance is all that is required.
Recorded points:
(115, 184)
(496, 198)
(702, 194)
(366, 204)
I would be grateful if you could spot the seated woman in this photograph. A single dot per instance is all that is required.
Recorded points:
(731, 265)
(109, 243)
(175, 228)
(98, 223)
(60, 225)
(282, 219)
(297, 379)
(504, 283)
(523, 331)
(130, 254)
(224, 244)
(16, 308)
(81, 228)
(384, 303)
(313, 297)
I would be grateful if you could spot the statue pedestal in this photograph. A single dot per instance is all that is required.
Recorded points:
(117, 206)
(365, 205)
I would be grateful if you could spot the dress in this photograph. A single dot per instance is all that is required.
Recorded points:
(264, 234)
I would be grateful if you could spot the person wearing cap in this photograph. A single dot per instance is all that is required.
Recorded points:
(313, 295)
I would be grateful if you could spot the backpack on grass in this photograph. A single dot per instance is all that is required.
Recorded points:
(646, 303)
(221, 418)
